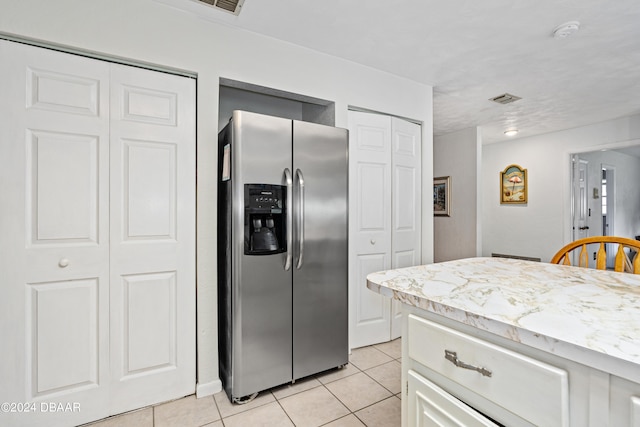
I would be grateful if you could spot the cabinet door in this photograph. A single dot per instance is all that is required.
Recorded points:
(370, 224)
(624, 403)
(429, 405)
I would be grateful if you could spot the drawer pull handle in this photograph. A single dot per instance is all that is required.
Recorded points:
(452, 356)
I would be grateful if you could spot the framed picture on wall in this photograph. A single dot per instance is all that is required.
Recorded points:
(513, 185)
(442, 196)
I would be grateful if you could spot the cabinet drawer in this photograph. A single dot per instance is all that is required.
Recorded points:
(528, 388)
(430, 406)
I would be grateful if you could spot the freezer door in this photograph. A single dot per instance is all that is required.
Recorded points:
(320, 321)
(262, 295)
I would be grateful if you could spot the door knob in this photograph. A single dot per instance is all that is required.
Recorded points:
(63, 262)
(373, 242)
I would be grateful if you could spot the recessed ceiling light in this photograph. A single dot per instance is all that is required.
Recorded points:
(511, 132)
(566, 29)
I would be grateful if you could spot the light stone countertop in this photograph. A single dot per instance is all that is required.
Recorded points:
(586, 315)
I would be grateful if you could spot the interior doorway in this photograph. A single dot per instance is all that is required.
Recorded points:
(607, 198)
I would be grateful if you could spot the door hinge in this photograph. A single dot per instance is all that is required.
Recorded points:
(406, 389)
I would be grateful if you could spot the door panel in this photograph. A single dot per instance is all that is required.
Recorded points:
(261, 288)
(370, 207)
(149, 186)
(581, 220)
(150, 308)
(580, 202)
(50, 336)
(143, 104)
(320, 285)
(152, 258)
(406, 201)
(56, 163)
(385, 167)
(63, 201)
(371, 310)
(54, 166)
(62, 92)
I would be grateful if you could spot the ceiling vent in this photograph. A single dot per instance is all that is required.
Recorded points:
(231, 6)
(505, 98)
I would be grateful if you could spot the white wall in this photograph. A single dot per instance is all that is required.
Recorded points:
(149, 32)
(456, 155)
(543, 226)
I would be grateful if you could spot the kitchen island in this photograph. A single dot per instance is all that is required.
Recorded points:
(522, 342)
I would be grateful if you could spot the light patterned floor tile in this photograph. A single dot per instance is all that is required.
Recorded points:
(348, 421)
(391, 348)
(336, 374)
(140, 418)
(227, 408)
(368, 357)
(186, 412)
(289, 389)
(313, 407)
(269, 415)
(388, 375)
(382, 414)
(346, 397)
(358, 391)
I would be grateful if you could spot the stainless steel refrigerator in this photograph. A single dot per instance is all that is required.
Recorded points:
(282, 251)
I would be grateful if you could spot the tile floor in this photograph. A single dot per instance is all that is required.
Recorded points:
(364, 393)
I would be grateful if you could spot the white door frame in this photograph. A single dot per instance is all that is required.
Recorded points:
(611, 210)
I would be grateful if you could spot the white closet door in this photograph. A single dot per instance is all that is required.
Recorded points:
(54, 291)
(97, 296)
(370, 224)
(405, 200)
(152, 237)
(385, 217)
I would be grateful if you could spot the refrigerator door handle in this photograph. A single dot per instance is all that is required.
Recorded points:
(289, 183)
(300, 178)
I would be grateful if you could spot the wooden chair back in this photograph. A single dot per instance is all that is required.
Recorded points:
(624, 262)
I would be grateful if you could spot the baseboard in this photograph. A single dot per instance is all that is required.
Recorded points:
(208, 389)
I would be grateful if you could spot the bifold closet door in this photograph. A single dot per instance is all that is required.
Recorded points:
(65, 330)
(370, 224)
(384, 217)
(152, 275)
(54, 290)
(406, 197)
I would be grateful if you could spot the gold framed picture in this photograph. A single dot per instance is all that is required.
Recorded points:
(442, 196)
(513, 185)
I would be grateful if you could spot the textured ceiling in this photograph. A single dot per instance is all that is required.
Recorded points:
(471, 50)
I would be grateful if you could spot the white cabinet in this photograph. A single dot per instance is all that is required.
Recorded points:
(384, 221)
(635, 412)
(429, 405)
(624, 403)
(532, 390)
(445, 363)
